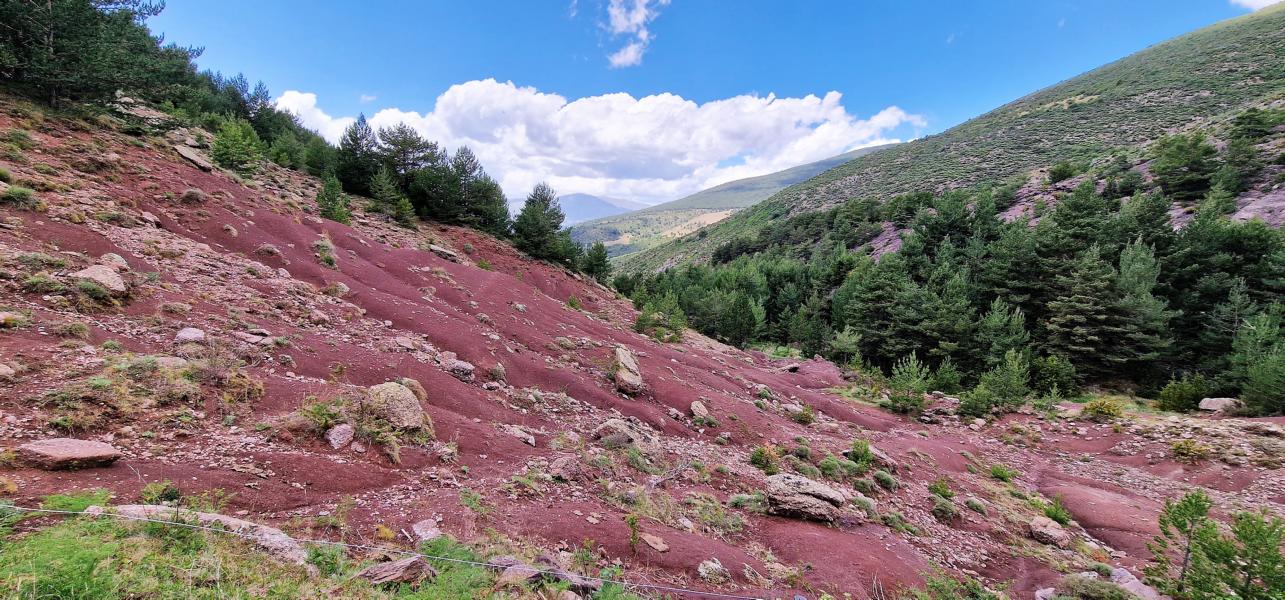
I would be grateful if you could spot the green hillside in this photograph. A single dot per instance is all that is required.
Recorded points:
(649, 227)
(1176, 84)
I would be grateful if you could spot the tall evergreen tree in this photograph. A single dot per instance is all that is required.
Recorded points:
(405, 151)
(332, 203)
(596, 263)
(1082, 324)
(1002, 329)
(358, 157)
(535, 230)
(1144, 337)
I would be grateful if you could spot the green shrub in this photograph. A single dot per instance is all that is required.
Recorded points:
(1053, 372)
(72, 329)
(941, 488)
(1003, 472)
(1189, 451)
(1054, 510)
(806, 416)
(76, 502)
(865, 486)
(5, 175)
(41, 283)
(944, 510)
(1079, 587)
(328, 559)
(1183, 395)
(976, 506)
(1103, 409)
(1062, 171)
(765, 459)
(237, 147)
(160, 492)
(18, 196)
(886, 480)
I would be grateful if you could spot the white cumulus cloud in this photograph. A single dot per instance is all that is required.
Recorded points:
(651, 149)
(1254, 4)
(629, 19)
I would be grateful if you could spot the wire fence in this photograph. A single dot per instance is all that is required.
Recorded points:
(687, 592)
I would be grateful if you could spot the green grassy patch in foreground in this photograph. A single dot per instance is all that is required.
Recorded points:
(86, 558)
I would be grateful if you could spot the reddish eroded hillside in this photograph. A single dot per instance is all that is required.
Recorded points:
(532, 446)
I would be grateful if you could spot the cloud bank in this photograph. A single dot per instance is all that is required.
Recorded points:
(651, 149)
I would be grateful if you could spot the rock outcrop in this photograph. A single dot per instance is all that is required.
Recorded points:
(68, 453)
(791, 495)
(628, 377)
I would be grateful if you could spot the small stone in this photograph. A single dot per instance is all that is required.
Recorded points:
(426, 530)
(190, 335)
(68, 453)
(656, 542)
(317, 317)
(699, 410)
(712, 571)
(340, 435)
(7, 373)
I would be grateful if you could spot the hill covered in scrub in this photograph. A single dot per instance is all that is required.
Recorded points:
(645, 228)
(1190, 81)
(236, 361)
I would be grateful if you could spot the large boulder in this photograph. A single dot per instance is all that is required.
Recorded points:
(1130, 583)
(68, 453)
(628, 377)
(104, 276)
(190, 335)
(396, 404)
(791, 495)
(1221, 405)
(1047, 531)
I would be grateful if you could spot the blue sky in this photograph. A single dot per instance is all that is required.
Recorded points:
(700, 92)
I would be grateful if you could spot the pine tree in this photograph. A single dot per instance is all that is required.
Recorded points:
(950, 318)
(737, 323)
(404, 151)
(384, 193)
(535, 231)
(358, 157)
(488, 209)
(596, 263)
(1183, 165)
(332, 203)
(1144, 337)
(1183, 524)
(1081, 323)
(1002, 329)
(237, 146)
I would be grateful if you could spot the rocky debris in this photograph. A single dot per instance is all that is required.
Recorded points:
(514, 572)
(68, 453)
(252, 338)
(444, 253)
(425, 530)
(190, 335)
(395, 403)
(618, 433)
(460, 369)
(519, 433)
(1131, 584)
(699, 410)
(567, 468)
(410, 570)
(340, 435)
(275, 541)
(713, 572)
(628, 377)
(1045, 593)
(1047, 531)
(656, 542)
(317, 317)
(1220, 405)
(194, 157)
(104, 276)
(791, 495)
